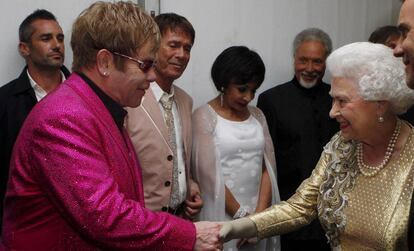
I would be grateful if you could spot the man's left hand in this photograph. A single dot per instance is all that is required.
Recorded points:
(194, 204)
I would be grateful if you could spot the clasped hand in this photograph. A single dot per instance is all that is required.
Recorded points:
(211, 235)
(237, 229)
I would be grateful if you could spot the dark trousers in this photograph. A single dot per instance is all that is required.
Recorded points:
(298, 245)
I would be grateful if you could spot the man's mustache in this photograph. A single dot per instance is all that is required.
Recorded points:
(310, 74)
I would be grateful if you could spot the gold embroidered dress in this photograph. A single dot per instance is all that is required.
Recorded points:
(357, 212)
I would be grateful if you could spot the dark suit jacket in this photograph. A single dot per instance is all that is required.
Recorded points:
(300, 126)
(17, 99)
(409, 115)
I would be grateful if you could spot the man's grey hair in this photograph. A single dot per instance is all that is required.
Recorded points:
(313, 34)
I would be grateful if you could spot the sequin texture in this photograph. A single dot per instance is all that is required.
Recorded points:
(75, 185)
(372, 212)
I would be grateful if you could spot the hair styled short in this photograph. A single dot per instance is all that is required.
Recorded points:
(382, 34)
(172, 21)
(120, 27)
(26, 29)
(376, 72)
(313, 34)
(237, 65)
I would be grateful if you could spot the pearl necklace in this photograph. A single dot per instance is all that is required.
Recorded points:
(390, 149)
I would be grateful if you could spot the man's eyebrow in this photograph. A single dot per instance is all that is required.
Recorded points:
(46, 34)
(402, 27)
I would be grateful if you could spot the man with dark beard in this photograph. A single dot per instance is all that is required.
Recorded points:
(42, 46)
(297, 113)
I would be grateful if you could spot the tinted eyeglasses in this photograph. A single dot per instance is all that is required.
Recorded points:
(144, 65)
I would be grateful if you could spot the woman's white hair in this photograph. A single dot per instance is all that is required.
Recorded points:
(378, 74)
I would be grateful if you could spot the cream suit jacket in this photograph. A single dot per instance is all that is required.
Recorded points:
(149, 135)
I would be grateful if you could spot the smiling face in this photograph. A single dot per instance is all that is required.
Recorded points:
(173, 55)
(309, 63)
(237, 97)
(46, 48)
(356, 117)
(128, 85)
(405, 46)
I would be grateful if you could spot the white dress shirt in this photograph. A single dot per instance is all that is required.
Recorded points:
(158, 92)
(39, 91)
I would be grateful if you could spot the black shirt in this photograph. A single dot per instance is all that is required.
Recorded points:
(117, 112)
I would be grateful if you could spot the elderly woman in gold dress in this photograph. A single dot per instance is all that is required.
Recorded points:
(362, 186)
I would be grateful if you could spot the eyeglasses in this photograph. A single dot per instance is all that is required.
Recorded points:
(144, 65)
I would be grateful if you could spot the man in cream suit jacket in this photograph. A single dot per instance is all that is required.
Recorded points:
(147, 126)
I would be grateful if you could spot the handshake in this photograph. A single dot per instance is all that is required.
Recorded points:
(212, 235)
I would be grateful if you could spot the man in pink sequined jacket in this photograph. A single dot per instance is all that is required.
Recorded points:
(75, 183)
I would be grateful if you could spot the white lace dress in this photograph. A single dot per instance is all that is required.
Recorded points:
(232, 153)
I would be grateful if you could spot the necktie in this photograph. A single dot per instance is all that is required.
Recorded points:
(167, 102)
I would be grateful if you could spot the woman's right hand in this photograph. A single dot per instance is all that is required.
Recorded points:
(237, 229)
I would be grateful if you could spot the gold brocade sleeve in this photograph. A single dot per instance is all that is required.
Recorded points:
(299, 210)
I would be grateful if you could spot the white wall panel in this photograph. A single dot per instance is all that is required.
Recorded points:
(267, 26)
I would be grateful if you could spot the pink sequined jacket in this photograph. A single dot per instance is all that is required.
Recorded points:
(76, 184)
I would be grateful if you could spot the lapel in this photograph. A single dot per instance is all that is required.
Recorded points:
(137, 179)
(152, 108)
(23, 82)
(23, 85)
(65, 71)
(179, 98)
(102, 114)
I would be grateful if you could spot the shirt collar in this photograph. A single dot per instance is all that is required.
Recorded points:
(117, 112)
(36, 86)
(158, 92)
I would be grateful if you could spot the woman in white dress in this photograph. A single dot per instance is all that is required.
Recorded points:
(233, 157)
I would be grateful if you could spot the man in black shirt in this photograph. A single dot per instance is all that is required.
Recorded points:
(297, 113)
